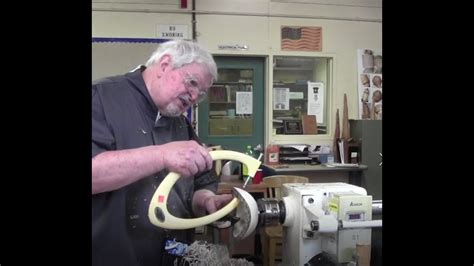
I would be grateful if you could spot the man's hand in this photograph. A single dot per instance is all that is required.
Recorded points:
(214, 203)
(206, 201)
(186, 158)
(112, 170)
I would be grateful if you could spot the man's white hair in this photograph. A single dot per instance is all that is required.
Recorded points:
(183, 53)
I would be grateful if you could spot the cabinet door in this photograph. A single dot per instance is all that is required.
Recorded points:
(369, 135)
(232, 114)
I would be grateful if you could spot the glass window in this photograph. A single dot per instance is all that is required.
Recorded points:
(230, 103)
(300, 94)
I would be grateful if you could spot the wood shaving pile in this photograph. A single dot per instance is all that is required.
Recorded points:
(202, 253)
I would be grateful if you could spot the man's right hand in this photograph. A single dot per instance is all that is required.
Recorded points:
(186, 158)
(115, 169)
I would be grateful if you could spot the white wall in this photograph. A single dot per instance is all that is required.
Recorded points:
(133, 24)
(111, 58)
(347, 25)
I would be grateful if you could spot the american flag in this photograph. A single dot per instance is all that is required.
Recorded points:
(301, 38)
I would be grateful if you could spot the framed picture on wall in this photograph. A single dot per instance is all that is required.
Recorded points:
(292, 127)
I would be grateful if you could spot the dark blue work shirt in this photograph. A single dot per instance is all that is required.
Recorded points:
(125, 117)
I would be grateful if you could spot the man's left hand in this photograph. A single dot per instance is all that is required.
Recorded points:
(205, 201)
(214, 203)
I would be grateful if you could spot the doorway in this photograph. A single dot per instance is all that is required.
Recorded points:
(232, 116)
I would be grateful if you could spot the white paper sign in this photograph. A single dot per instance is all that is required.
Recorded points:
(243, 102)
(172, 31)
(316, 100)
(281, 98)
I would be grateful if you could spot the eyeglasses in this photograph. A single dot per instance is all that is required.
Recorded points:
(192, 86)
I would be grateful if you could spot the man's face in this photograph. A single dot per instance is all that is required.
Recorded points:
(180, 88)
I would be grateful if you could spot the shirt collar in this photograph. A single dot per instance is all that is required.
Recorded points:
(136, 78)
(158, 116)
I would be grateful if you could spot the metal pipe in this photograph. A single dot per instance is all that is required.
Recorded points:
(361, 224)
(376, 207)
(193, 23)
(275, 15)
